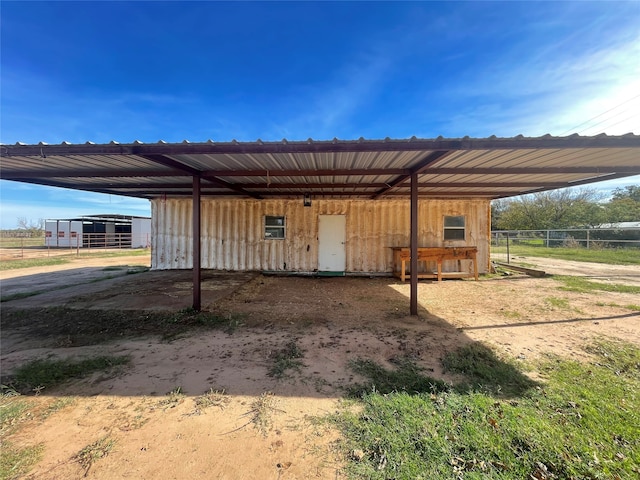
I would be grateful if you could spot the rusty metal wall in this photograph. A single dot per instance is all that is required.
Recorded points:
(233, 237)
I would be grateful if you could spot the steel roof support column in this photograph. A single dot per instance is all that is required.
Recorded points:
(196, 244)
(413, 246)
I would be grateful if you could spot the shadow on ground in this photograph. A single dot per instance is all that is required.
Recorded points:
(292, 336)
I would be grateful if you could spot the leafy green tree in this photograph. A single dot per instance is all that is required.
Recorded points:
(498, 207)
(624, 205)
(547, 210)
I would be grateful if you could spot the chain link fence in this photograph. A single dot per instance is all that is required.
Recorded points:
(589, 238)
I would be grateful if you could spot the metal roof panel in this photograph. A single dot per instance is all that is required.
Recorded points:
(517, 164)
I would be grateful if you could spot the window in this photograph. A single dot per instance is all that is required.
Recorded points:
(454, 228)
(273, 227)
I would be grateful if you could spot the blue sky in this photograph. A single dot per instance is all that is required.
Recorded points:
(125, 71)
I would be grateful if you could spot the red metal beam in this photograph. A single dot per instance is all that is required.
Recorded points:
(104, 173)
(419, 168)
(364, 194)
(406, 185)
(171, 163)
(197, 299)
(306, 173)
(311, 185)
(609, 169)
(413, 246)
(175, 164)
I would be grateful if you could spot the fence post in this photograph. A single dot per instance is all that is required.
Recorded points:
(587, 239)
(508, 256)
(547, 240)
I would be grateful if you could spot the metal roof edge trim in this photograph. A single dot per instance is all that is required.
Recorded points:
(335, 145)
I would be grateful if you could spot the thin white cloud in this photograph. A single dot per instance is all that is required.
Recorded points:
(554, 94)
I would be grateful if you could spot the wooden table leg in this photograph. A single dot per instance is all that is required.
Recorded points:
(475, 267)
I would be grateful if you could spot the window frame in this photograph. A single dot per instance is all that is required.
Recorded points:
(454, 228)
(271, 227)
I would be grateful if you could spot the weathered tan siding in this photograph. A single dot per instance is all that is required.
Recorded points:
(232, 232)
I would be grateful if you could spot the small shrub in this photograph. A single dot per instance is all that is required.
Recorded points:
(262, 410)
(570, 242)
(286, 359)
(212, 398)
(174, 398)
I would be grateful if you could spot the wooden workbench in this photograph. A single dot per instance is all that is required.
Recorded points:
(402, 255)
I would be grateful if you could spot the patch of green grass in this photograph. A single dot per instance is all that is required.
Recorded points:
(17, 243)
(583, 423)
(582, 285)
(621, 256)
(620, 357)
(485, 371)
(285, 360)
(57, 405)
(46, 373)
(407, 377)
(93, 452)
(510, 314)
(631, 306)
(32, 262)
(558, 302)
(13, 407)
(17, 461)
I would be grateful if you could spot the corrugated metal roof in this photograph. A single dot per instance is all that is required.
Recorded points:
(454, 167)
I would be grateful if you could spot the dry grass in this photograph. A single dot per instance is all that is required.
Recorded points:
(94, 451)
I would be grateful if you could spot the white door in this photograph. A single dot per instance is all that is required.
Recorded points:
(332, 255)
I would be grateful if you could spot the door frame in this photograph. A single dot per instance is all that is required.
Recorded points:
(342, 253)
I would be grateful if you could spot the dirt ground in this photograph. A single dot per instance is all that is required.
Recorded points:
(265, 427)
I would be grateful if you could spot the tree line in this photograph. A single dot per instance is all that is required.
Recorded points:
(25, 229)
(566, 208)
